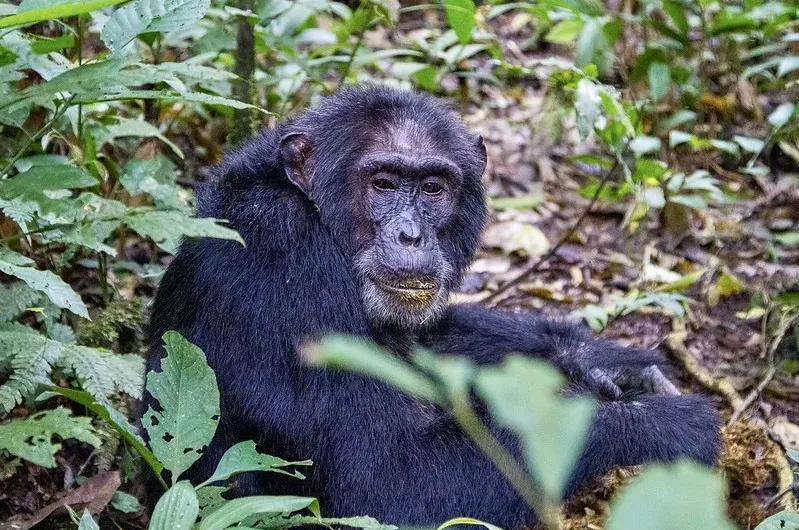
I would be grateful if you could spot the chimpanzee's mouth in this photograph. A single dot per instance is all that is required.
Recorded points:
(409, 287)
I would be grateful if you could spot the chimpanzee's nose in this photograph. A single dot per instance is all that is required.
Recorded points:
(409, 233)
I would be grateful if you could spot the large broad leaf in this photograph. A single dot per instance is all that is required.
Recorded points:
(189, 405)
(368, 359)
(41, 178)
(177, 509)
(684, 496)
(145, 16)
(239, 509)
(461, 18)
(56, 289)
(786, 520)
(167, 228)
(32, 438)
(244, 457)
(49, 10)
(522, 394)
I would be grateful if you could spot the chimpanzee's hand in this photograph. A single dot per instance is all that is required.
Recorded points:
(612, 383)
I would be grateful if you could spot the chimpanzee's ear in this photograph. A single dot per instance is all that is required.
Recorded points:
(481, 149)
(296, 150)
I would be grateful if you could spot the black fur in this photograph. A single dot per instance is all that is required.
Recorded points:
(375, 451)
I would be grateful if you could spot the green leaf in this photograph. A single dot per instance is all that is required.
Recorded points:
(156, 178)
(239, 509)
(146, 16)
(167, 228)
(56, 289)
(565, 31)
(31, 438)
(787, 238)
(30, 357)
(125, 502)
(522, 395)
(188, 396)
(62, 10)
(751, 145)
(40, 178)
(642, 145)
(87, 522)
(683, 496)
(177, 509)
(676, 12)
(244, 457)
(116, 419)
(787, 65)
(461, 18)
(132, 128)
(659, 80)
(785, 520)
(468, 521)
(781, 115)
(682, 284)
(366, 358)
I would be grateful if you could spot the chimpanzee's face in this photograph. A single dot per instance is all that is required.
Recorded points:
(407, 214)
(408, 198)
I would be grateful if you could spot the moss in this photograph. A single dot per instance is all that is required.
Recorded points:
(117, 327)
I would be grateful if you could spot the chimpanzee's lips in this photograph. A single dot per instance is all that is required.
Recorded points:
(409, 286)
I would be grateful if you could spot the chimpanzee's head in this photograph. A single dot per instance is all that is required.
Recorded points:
(397, 180)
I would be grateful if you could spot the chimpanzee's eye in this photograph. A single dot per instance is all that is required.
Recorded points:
(383, 184)
(432, 188)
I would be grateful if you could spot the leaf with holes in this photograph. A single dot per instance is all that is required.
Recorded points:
(785, 520)
(244, 457)
(32, 438)
(189, 405)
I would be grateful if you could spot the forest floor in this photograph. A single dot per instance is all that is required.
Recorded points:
(735, 342)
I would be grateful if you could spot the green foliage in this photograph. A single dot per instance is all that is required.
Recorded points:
(31, 438)
(189, 400)
(149, 16)
(678, 497)
(785, 520)
(31, 357)
(523, 397)
(177, 509)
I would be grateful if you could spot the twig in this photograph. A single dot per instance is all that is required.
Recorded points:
(537, 265)
(752, 396)
(675, 346)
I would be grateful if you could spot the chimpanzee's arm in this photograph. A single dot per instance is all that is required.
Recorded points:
(419, 467)
(596, 365)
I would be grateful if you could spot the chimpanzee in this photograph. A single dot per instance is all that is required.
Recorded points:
(359, 217)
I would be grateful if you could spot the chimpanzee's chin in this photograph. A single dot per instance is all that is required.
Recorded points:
(404, 308)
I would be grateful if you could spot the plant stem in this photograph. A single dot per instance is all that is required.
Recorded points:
(244, 68)
(46, 127)
(347, 68)
(505, 462)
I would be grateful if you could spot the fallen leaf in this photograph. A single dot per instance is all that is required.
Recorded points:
(95, 494)
(514, 237)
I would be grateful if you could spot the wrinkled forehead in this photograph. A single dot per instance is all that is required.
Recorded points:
(403, 135)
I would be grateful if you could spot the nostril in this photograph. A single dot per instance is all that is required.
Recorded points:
(407, 240)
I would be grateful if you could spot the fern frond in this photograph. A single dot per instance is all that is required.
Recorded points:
(103, 373)
(31, 358)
